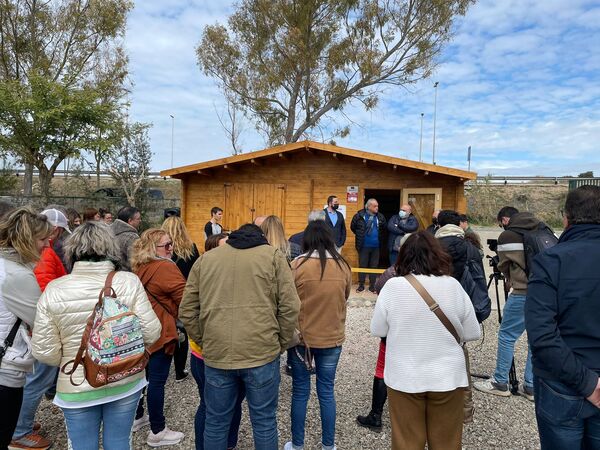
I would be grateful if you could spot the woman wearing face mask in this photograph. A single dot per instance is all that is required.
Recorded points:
(399, 225)
(23, 236)
(164, 284)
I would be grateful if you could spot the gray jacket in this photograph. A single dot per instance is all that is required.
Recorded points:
(19, 294)
(125, 235)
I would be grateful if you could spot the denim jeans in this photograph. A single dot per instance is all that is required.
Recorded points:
(262, 392)
(326, 361)
(511, 329)
(157, 372)
(197, 369)
(37, 383)
(565, 419)
(116, 419)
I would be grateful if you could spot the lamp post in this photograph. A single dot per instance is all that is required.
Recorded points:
(421, 140)
(469, 157)
(172, 136)
(435, 86)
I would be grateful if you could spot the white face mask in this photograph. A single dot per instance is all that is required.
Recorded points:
(403, 214)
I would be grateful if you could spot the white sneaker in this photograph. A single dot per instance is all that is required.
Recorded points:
(165, 437)
(140, 423)
(325, 448)
(290, 446)
(491, 386)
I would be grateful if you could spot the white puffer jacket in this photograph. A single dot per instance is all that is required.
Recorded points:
(64, 308)
(19, 294)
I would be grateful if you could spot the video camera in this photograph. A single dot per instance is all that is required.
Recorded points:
(494, 260)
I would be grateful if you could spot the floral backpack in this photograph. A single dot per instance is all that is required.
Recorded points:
(112, 347)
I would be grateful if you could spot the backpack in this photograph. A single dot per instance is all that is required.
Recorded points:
(112, 347)
(473, 281)
(535, 241)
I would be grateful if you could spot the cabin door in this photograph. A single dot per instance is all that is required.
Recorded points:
(246, 201)
(423, 203)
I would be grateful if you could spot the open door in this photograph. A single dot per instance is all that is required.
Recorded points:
(423, 203)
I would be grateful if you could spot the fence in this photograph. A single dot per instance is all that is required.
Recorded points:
(152, 210)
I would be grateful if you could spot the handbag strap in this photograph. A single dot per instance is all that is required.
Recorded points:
(433, 305)
(8, 342)
(106, 290)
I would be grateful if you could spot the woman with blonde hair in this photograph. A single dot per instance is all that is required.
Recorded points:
(185, 254)
(23, 236)
(275, 234)
(164, 284)
(62, 314)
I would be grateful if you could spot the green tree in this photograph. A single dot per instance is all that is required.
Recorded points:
(293, 63)
(588, 174)
(130, 162)
(62, 72)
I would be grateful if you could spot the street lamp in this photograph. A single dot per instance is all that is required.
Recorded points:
(434, 117)
(172, 136)
(421, 140)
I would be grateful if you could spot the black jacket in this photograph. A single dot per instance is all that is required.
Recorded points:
(398, 227)
(562, 311)
(359, 227)
(339, 230)
(208, 229)
(457, 248)
(185, 265)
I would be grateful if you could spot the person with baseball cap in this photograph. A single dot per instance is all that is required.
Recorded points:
(38, 382)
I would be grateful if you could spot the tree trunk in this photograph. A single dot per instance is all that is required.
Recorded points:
(45, 179)
(28, 179)
(97, 173)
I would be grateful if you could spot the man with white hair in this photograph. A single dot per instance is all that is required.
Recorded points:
(368, 226)
(313, 216)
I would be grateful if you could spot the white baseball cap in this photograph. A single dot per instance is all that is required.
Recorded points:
(57, 219)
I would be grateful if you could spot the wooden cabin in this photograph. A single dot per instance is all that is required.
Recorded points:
(293, 179)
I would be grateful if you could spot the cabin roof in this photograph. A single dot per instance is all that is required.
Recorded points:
(282, 150)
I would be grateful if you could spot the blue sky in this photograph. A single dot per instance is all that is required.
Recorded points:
(520, 83)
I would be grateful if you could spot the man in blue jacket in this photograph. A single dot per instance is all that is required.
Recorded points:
(562, 316)
(400, 224)
(335, 220)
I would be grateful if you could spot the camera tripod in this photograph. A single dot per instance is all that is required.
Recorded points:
(496, 277)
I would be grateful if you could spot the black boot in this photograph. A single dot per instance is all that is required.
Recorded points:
(373, 419)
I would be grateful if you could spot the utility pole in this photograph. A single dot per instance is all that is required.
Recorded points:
(469, 157)
(172, 136)
(421, 141)
(435, 86)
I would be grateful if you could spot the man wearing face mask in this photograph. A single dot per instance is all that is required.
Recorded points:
(335, 220)
(399, 225)
(434, 223)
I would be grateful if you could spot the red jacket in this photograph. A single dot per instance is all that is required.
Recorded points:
(48, 268)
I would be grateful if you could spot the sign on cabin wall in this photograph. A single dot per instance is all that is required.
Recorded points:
(351, 195)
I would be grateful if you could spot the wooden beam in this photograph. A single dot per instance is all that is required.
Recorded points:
(229, 167)
(395, 167)
(256, 162)
(205, 172)
(283, 156)
(365, 162)
(335, 155)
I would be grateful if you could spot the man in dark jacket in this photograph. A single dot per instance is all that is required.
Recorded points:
(434, 223)
(335, 220)
(513, 265)
(562, 314)
(368, 226)
(125, 230)
(399, 225)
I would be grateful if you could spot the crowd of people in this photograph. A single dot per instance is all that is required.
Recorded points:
(254, 295)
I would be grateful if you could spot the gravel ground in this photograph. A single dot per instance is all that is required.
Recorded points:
(507, 423)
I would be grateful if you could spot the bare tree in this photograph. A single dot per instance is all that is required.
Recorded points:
(232, 125)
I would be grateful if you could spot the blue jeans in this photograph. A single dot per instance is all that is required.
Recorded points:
(157, 372)
(37, 383)
(511, 329)
(222, 390)
(565, 419)
(393, 257)
(197, 368)
(116, 419)
(326, 361)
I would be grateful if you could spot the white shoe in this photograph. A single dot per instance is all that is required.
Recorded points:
(323, 447)
(140, 423)
(165, 437)
(290, 446)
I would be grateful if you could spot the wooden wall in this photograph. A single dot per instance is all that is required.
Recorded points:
(309, 178)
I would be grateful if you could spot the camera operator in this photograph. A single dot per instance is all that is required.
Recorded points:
(513, 265)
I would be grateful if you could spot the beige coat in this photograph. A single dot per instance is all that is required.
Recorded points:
(64, 308)
(322, 319)
(240, 305)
